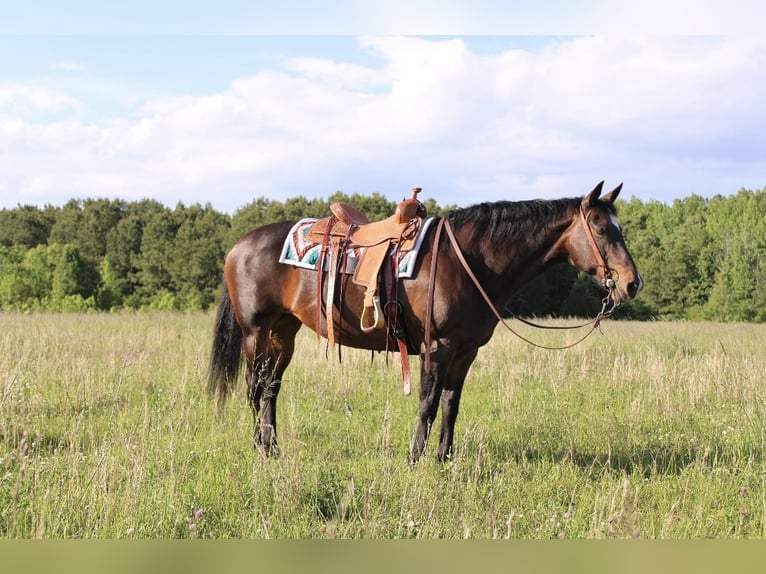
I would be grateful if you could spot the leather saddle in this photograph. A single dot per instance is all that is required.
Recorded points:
(346, 228)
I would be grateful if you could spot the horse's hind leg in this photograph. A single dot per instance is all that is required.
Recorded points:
(281, 347)
(258, 375)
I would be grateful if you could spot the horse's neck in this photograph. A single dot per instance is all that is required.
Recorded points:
(510, 264)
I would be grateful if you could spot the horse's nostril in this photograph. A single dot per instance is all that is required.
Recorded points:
(633, 288)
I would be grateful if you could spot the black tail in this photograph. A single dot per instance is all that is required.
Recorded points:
(226, 354)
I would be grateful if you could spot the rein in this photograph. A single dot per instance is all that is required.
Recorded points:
(607, 305)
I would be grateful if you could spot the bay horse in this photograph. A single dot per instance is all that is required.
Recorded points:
(264, 302)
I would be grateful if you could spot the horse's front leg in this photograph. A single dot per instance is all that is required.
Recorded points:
(450, 401)
(431, 384)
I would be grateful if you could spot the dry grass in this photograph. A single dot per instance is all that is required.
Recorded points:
(646, 430)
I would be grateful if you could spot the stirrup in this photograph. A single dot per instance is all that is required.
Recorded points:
(377, 316)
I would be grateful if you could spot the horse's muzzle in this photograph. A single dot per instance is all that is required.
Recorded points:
(626, 292)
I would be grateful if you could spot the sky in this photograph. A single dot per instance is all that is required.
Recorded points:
(180, 102)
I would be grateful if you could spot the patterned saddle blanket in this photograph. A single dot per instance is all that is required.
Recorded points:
(297, 250)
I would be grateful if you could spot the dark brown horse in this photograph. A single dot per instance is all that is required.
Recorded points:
(264, 302)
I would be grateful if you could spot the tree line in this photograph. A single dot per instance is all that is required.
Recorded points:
(701, 259)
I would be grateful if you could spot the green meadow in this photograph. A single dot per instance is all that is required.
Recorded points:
(646, 429)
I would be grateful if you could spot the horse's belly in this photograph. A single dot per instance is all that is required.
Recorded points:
(348, 304)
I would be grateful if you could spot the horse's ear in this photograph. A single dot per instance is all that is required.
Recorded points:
(590, 199)
(612, 195)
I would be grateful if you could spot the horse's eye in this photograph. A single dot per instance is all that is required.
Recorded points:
(600, 231)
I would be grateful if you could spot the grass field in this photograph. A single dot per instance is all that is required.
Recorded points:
(651, 430)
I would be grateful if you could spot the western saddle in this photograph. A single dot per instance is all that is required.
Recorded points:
(347, 228)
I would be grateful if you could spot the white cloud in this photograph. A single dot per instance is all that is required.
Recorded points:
(668, 115)
(339, 74)
(21, 99)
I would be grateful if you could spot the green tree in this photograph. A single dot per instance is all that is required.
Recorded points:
(75, 280)
(27, 276)
(27, 226)
(99, 216)
(154, 261)
(37, 275)
(433, 208)
(123, 246)
(730, 299)
(738, 223)
(68, 225)
(196, 260)
(252, 215)
(110, 292)
(13, 290)
(300, 207)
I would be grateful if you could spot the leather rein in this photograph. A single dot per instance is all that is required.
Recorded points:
(607, 305)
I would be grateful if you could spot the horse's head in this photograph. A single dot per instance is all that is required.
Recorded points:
(595, 245)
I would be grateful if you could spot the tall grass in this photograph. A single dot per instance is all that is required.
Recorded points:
(651, 430)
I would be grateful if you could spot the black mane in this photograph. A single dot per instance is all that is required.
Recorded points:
(501, 221)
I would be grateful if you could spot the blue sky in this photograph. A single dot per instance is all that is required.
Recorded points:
(182, 102)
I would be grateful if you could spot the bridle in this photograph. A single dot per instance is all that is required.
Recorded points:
(608, 305)
(608, 283)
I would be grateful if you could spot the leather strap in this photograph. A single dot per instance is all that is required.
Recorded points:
(392, 307)
(343, 272)
(596, 322)
(592, 240)
(320, 270)
(332, 274)
(430, 298)
(406, 376)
